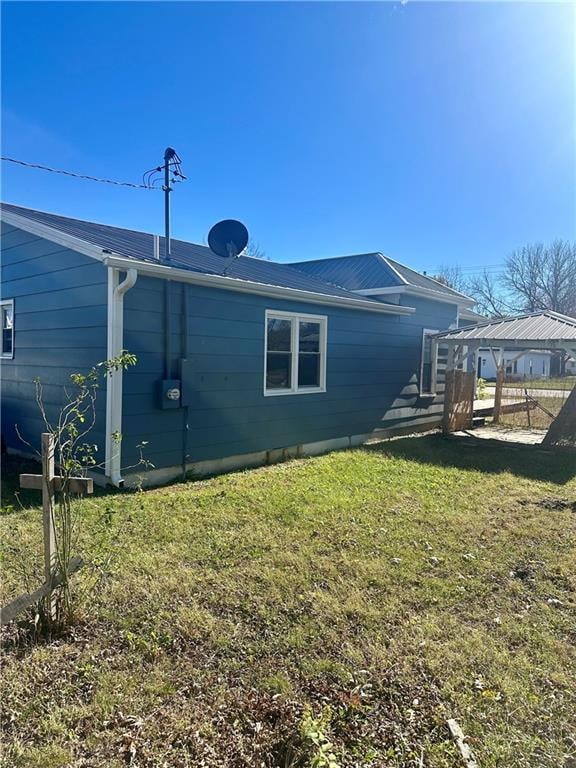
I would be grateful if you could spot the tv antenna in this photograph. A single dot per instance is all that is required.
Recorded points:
(172, 169)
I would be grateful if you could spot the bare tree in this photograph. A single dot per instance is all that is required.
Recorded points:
(543, 277)
(451, 276)
(491, 299)
(254, 250)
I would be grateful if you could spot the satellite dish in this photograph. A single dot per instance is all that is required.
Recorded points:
(228, 238)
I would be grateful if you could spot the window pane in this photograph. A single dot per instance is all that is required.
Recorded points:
(279, 335)
(426, 377)
(308, 370)
(427, 349)
(278, 370)
(6, 342)
(7, 317)
(7, 330)
(309, 337)
(426, 382)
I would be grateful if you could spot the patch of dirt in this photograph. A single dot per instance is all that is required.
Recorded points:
(557, 505)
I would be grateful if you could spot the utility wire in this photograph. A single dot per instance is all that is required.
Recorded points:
(77, 175)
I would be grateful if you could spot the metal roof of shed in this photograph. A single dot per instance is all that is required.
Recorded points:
(545, 327)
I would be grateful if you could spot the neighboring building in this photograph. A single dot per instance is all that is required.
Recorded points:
(533, 364)
(233, 370)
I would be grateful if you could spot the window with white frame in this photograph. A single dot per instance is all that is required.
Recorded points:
(7, 313)
(295, 353)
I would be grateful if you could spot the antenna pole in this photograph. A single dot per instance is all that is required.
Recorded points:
(168, 156)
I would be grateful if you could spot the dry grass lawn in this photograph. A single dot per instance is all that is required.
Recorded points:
(324, 612)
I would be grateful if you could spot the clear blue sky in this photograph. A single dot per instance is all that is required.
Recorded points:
(435, 132)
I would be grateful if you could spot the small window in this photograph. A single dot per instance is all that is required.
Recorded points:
(7, 309)
(295, 353)
(426, 362)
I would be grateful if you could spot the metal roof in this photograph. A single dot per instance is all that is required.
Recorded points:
(423, 281)
(366, 271)
(544, 327)
(197, 258)
(356, 273)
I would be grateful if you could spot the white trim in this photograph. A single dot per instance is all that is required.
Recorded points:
(245, 286)
(381, 291)
(6, 355)
(295, 319)
(433, 363)
(54, 235)
(115, 346)
(393, 268)
(415, 290)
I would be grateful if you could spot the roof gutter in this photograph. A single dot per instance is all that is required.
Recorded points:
(116, 291)
(246, 286)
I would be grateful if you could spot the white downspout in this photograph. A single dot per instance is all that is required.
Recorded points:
(116, 293)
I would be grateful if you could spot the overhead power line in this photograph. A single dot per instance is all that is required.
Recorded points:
(77, 175)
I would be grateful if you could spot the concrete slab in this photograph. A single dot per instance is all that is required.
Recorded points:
(505, 434)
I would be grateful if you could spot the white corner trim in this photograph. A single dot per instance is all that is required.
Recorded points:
(54, 235)
(246, 286)
(116, 291)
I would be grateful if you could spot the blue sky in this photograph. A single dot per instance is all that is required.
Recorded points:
(439, 133)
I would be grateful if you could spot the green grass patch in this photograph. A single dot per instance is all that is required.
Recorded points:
(340, 607)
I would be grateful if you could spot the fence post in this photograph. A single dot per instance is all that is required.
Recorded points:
(498, 394)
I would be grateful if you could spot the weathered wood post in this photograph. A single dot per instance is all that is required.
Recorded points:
(449, 391)
(48, 516)
(499, 386)
(48, 483)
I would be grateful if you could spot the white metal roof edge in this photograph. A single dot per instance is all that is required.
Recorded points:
(246, 286)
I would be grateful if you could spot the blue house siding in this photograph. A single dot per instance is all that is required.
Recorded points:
(60, 302)
(373, 364)
(60, 321)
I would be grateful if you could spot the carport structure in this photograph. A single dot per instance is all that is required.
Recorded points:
(544, 330)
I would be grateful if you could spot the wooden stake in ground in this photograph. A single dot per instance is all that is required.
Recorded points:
(460, 739)
(49, 483)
